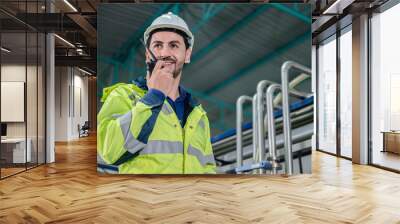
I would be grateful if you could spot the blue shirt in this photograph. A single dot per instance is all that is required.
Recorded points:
(179, 105)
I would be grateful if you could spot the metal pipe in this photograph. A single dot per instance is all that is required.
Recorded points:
(298, 137)
(285, 107)
(271, 124)
(260, 115)
(230, 144)
(255, 128)
(239, 120)
(292, 84)
(278, 124)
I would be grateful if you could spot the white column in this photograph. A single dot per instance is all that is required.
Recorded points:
(314, 91)
(360, 90)
(50, 93)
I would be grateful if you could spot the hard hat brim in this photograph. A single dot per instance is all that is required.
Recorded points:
(160, 26)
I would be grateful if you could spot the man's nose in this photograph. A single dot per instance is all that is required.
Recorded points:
(165, 52)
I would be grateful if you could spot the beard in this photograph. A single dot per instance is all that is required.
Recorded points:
(177, 70)
(177, 66)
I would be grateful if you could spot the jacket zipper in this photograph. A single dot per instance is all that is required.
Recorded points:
(183, 136)
(183, 149)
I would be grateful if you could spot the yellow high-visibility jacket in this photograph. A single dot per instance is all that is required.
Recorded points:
(139, 135)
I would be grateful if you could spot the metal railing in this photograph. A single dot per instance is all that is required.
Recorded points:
(271, 125)
(259, 121)
(239, 121)
(260, 124)
(261, 93)
(286, 111)
(255, 127)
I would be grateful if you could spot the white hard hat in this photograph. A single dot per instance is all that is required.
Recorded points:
(169, 20)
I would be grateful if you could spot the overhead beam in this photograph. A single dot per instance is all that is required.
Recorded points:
(211, 12)
(49, 22)
(85, 61)
(86, 26)
(229, 32)
(258, 62)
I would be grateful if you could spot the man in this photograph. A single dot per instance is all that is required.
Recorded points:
(154, 126)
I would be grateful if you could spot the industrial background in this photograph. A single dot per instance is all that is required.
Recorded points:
(236, 46)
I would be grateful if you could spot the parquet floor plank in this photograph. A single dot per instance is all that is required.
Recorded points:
(71, 191)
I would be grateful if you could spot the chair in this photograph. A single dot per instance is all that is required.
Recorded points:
(84, 130)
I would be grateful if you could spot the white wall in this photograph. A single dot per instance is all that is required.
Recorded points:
(16, 73)
(62, 81)
(71, 93)
(80, 84)
(13, 72)
(12, 101)
(33, 126)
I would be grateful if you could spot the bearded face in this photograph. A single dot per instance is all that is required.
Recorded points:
(169, 47)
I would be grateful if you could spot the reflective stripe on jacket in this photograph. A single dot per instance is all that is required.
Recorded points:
(138, 135)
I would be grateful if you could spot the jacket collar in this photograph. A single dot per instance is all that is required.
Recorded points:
(141, 82)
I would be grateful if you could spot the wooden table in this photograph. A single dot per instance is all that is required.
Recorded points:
(391, 141)
(13, 150)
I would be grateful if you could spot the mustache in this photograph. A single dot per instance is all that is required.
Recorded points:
(167, 59)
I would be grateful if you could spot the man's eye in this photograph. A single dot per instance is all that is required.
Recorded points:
(157, 45)
(174, 46)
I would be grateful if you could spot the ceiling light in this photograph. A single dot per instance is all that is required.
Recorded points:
(84, 71)
(337, 7)
(70, 5)
(333, 6)
(64, 40)
(5, 50)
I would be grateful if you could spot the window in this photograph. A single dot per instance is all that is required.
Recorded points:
(385, 88)
(327, 95)
(346, 92)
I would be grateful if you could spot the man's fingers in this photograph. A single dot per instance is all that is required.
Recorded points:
(158, 65)
(161, 65)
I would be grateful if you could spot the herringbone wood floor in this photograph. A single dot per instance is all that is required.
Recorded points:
(70, 191)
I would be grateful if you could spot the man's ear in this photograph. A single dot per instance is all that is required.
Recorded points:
(188, 54)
